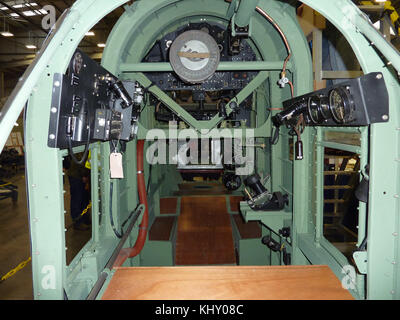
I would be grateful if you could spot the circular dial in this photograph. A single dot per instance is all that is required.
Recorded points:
(340, 105)
(194, 56)
(314, 110)
(325, 110)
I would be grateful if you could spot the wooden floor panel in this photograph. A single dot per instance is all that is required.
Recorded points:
(168, 205)
(161, 229)
(201, 189)
(226, 283)
(204, 232)
(235, 203)
(247, 230)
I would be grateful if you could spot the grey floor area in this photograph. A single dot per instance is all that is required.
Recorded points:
(15, 242)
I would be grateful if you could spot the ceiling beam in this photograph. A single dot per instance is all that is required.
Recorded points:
(33, 23)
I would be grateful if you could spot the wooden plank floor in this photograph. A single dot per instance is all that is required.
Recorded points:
(204, 232)
(168, 205)
(226, 283)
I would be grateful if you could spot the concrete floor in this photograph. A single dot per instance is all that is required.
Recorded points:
(15, 242)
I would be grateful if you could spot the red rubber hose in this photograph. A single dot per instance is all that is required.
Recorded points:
(140, 241)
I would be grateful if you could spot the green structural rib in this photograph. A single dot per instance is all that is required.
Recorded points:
(142, 24)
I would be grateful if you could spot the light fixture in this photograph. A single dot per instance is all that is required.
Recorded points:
(30, 44)
(101, 45)
(89, 34)
(7, 34)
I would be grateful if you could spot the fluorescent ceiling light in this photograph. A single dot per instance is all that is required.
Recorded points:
(31, 46)
(89, 34)
(7, 34)
(101, 45)
(29, 13)
(18, 6)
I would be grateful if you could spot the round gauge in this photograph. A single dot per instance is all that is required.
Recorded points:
(77, 63)
(340, 105)
(194, 56)
(314, 110)
(325, 110)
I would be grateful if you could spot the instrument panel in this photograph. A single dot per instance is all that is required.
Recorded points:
(355, 102)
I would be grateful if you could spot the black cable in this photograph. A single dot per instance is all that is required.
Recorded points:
(130, 216)
(70, 148)
(275, 138)
(65, 295)
(119, 235)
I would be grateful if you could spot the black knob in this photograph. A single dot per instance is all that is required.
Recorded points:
(254, 182)
(285, 232)
(271, 243)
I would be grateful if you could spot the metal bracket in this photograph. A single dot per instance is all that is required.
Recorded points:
(186, 116)
(360, 258)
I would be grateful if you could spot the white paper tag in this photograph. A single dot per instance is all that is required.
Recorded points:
(116, 167)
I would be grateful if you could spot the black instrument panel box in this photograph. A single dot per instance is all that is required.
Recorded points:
(369, 95)
(83, 86)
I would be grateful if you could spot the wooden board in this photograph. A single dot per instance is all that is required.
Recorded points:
(249, 230)
(226, 283)
(204, 232)
(168, 205)
(201, 189)
(235, 203)
(161, 229)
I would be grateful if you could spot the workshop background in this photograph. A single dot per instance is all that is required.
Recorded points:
(23, 29)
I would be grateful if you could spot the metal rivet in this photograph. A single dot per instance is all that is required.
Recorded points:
(379, 76)
(53, 110)
(57, 83)
(385, 117)
(52, 137)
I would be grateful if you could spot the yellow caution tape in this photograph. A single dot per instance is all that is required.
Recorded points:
(5, 185)
(88, 163)
(387, 5)
(87, 209)
(24, 263)
(15, 270)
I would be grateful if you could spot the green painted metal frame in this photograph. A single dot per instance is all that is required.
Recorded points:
(51, 276)
(187, 117)
(223, 66)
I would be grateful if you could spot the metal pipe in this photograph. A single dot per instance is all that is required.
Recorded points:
(103, 276)
(223, 66)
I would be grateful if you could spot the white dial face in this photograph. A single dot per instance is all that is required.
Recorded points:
(194, 54)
